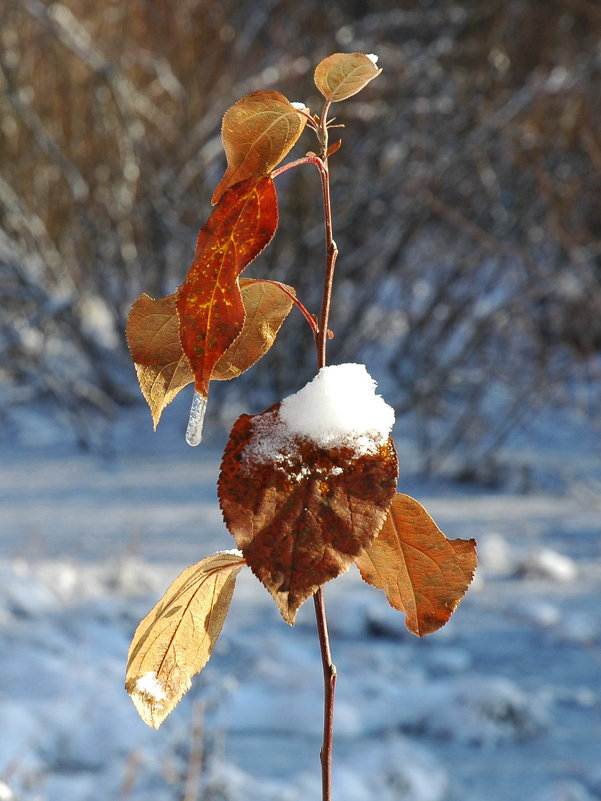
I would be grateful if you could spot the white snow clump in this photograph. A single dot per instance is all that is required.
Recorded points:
(148, 684)
(338, 408)
(300, 106)
(372, 57)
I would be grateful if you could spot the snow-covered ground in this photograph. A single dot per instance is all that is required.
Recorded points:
(503, 704)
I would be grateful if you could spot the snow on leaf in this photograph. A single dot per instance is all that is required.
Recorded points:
(209, 303)
(258, 131)
(342, 75)
(301, 515)
(176, 638)
(422, 573)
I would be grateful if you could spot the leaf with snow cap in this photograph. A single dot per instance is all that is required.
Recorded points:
(342, 75)
(422, 573)
(306, 485)
(257, 132)
(176, 638)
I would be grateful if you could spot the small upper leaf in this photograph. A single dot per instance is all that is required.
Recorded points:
(423, 573)
(344, 74)
(153, 339)
(209, 304)
(258, 131)
(176, 638)
(300, 512)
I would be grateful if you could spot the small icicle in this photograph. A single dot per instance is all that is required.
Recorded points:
(196, 419)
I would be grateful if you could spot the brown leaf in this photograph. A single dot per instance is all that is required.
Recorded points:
(300, 513)
(161, 365)
(209, 304)
(257, 131)
(266, 306)
(176, 638)
(153, 339)
(423, 573)
(344, 74)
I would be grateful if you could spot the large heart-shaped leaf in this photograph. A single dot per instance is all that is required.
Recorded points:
(299, 512)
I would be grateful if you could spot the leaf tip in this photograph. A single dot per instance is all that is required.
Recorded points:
(151, 698)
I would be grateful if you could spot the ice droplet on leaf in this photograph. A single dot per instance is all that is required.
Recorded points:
(196, 419)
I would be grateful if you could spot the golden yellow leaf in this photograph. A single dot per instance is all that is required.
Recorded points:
(161, 365)
(267, 306)
(422, 573)
(176, 638)
(257, 132)
(344, 74)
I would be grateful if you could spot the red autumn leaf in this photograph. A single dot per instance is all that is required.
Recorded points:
(209, 304)
(423, 573)
(300, 513)
(257, 132)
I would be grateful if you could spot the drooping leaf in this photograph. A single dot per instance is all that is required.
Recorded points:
(344, 74)
(161, 365)
(209, 304)
(266, 306)
(153, 338)
(257, 131)
(300, 513)
(422, 573)
(176, 638)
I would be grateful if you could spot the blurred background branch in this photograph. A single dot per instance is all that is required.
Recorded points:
(466, 194)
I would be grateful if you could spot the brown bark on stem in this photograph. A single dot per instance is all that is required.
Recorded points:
(329, 669)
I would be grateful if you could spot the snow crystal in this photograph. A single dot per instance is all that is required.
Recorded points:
(372, 57)
(299, 106)
(231, 552)
(6, 794)
(150, 685)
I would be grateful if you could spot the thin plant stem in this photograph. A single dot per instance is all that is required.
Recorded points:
(329, 676)
(300, 306)
(329, 669)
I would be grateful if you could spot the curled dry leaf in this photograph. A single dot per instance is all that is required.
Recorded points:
(344, 74)
(209, 304)
(161, 365)
(257, 132)
(301, 513)
(176, 638)
(423, 573)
